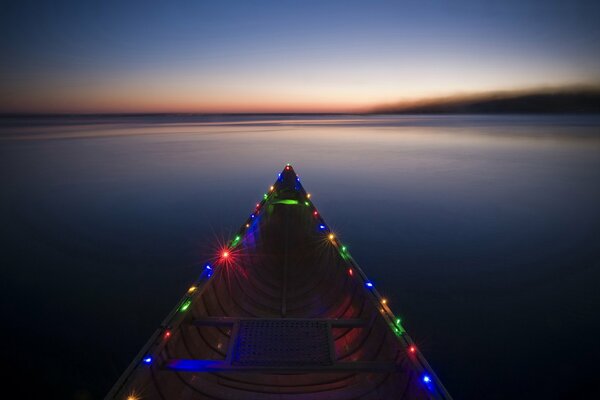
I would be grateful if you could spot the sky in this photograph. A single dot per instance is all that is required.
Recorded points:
(285, 56)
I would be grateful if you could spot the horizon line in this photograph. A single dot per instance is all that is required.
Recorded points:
(544, 100)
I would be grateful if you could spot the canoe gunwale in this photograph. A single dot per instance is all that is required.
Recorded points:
(154, 343)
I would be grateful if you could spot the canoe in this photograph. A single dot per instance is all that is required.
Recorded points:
(282, 312)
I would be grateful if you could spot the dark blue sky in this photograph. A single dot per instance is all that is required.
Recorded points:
(79, 56)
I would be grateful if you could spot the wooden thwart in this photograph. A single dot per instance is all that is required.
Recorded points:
(335, 322)
(187, 365)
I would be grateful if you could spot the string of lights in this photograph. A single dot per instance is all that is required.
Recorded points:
(428, 378)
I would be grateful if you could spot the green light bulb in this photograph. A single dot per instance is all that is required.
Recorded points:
(185, 305)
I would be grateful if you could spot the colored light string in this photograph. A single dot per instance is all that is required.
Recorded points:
(395, 322)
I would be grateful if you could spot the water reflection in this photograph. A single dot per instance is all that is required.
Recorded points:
(483, 233)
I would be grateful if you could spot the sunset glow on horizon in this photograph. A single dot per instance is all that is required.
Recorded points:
(69, 57)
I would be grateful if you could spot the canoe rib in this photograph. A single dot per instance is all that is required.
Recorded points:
(287, 314)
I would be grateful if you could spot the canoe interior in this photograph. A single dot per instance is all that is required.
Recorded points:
(287, 314)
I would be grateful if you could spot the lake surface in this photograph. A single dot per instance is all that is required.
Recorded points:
(483, 232)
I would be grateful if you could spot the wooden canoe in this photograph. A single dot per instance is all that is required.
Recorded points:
(283, 312)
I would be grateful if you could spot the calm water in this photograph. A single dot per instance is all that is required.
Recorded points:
(484, 233)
